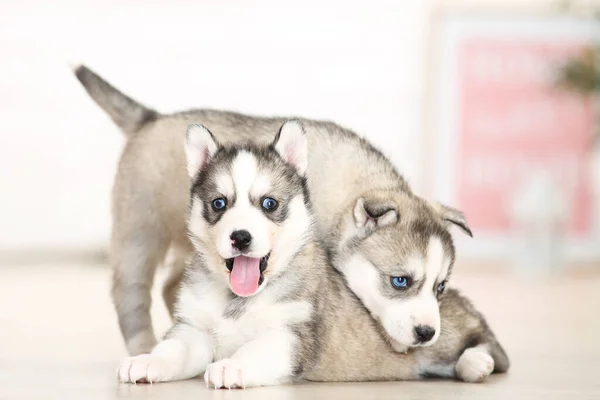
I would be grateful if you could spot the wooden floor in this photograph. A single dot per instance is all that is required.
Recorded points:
(59, 340)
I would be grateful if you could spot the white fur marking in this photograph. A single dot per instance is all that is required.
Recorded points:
(225, 185)
(414, 267)
(434, 264)
(243, 171)
(197, 224)
(261, 185)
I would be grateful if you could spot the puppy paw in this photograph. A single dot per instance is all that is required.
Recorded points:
(474, 365)
(145, 368)
(226, 374)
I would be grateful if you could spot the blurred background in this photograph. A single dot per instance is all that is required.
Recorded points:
(487, 106)
(465, 97)
(490, 106)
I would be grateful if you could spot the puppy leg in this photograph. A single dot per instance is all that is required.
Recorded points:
(183, 354)
(267, 360)
(474, 364)
(135, 253)
(171, 286)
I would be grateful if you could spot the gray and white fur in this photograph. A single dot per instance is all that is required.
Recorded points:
(266, 307)
(371, 224)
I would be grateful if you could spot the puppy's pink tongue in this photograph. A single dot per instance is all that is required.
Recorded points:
(245, 275)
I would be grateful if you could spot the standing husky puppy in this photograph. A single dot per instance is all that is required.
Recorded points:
(365, 212)
(260, 305)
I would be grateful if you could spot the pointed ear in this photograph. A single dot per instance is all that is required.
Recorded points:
(453, 216)
(200, 146)
(369, 216)
(292, 146)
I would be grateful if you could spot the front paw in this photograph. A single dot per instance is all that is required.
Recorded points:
(146, 368)
(474, 365)
(226, 374)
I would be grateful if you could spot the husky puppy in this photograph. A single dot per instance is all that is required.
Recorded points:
(372, 226)
(260, 305)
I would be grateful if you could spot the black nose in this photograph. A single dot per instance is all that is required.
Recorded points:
(241, 239)
(424, 333)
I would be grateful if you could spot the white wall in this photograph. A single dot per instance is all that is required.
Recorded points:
(356, 64)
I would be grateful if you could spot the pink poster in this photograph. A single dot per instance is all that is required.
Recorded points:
(511, 122)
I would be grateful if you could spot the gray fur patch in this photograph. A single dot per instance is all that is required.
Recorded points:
(236, 307)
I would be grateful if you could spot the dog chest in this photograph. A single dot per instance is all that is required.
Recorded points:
(232, 330)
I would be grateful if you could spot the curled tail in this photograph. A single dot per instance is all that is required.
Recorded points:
(127, 113)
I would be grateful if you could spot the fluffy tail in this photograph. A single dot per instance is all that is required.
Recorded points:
(127, 113)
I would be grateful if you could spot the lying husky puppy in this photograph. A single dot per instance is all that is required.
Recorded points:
(372, 225)
(260, 305)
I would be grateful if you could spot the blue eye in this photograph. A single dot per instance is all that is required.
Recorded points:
(219, 204)
(441, 287)
(400, 282)
(269, 204)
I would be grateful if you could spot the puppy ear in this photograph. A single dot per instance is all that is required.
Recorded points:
(369, 216)
(292, 146)
(200, 146)
(453, 216)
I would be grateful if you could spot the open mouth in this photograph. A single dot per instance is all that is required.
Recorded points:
(246, 273)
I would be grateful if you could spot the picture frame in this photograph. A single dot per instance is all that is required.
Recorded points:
(490, 117)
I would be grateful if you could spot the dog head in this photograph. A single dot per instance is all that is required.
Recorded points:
(249, 209)
(397, 255)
